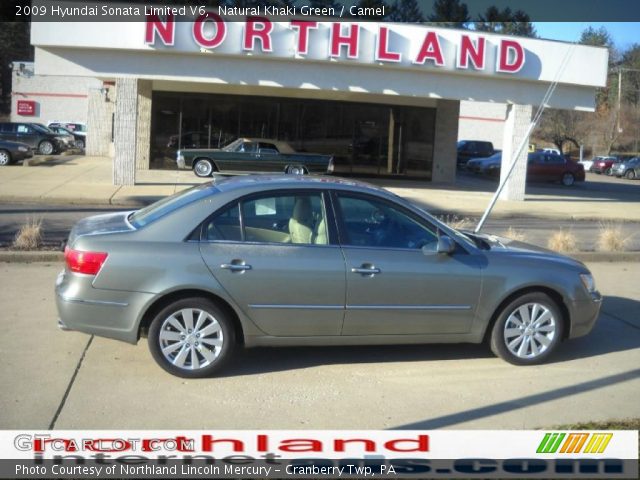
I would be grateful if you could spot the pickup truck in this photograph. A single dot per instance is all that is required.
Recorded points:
(253, 155)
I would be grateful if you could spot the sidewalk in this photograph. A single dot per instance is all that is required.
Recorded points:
(87, 180)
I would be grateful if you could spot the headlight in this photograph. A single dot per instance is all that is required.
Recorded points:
(23, 149)
(493, 166)
(588, 282)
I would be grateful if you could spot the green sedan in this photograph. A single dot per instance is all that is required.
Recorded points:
(253, 155)
(250, 261)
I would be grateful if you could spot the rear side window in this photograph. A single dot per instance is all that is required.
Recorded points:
(159, 209)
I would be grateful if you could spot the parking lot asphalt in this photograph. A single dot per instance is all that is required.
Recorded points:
(54, 379)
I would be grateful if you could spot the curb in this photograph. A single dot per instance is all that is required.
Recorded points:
(14, 256)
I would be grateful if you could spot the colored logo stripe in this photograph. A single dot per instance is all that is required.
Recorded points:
(598, 442)
(550, 443)
(574, 443)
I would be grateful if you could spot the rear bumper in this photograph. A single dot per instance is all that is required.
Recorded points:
(106, 313)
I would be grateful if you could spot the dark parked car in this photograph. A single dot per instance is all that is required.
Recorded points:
(486, 166)
(468, 149)
(294, 260)
(40, 138)
(604, 164)
(253, 155)
(628, 168)
(550, 167)
(77, 140)
(78, 130)
(11, 152)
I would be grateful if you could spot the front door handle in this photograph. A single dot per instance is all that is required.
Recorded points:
(366, 269)
(236, 266)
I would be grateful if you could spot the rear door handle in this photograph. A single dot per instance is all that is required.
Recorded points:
(235, 267)
(366, 270)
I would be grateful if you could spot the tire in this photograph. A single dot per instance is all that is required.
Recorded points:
(510, 339)
(203, 168)
(568, 179)
(608, 171)
(80, 144)
(296, 170)
(631, 174)
(45, 148)
(188, 352)
(5, 158)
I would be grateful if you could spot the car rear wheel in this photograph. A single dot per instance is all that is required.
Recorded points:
(203, 167)
(295, 170)
(45, 147)
(568, 179)
(80, 144)
(527, 330)
(631, 174)
(191, 338)
(5, 158)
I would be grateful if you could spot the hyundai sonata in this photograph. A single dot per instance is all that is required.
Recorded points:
(296, 260)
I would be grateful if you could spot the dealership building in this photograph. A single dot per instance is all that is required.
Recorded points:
(383, 98)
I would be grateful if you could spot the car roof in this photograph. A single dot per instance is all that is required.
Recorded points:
(270, 182)
(282, 146)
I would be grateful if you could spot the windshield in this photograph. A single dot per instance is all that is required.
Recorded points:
(41, 128)
(159, 209)
(232, 147)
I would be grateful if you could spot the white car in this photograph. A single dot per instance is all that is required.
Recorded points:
(587, 164)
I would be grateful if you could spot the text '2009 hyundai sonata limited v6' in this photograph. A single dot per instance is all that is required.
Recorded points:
(295, 260)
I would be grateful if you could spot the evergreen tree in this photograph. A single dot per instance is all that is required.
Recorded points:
(406, 11)
(450, 13)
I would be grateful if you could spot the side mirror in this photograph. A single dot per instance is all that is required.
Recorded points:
(445, 245)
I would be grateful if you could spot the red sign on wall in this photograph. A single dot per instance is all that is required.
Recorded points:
(26, 108)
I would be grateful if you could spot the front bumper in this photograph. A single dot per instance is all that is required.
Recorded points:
(584, 314)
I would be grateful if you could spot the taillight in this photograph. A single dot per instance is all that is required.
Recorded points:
(88, 263)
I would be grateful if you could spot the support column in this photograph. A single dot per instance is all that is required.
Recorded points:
(445, 140)
(144, 125)
(125, 131)
(515, 129)
(99, 117)
(391, 142)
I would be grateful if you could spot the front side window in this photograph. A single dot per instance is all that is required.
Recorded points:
(283, 218)
(373, 223)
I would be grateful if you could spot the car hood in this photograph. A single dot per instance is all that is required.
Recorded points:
(507, 246)
(101, 224)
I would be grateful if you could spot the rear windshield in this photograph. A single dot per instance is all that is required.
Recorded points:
(159, 209)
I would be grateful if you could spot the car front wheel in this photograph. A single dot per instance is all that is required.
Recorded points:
(568, 179)
(80, 144)
(191, 338)
(527, 330)
(45, 147)
(5, 158)
(203, 167)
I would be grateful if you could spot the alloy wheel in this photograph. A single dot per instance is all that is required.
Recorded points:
(530, 330)
(5, 159)
(631, 174)
(191, 339)
(46, 148)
